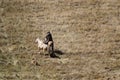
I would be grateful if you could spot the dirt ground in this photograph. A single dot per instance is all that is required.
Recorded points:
(86, 35)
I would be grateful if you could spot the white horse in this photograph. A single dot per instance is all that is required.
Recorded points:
(41, 45)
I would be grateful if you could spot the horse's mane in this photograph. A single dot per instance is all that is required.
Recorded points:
(40, 43)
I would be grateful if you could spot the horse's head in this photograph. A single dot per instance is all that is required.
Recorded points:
(38, 40)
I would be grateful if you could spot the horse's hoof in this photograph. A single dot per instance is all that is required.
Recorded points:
(38, 52)
(46, 54)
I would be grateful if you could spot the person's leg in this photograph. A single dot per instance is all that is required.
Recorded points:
(52, 50)
(53, 47)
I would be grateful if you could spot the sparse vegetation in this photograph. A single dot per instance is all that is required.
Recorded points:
(87, 34)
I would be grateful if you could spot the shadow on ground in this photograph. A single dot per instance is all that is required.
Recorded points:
(58, 52)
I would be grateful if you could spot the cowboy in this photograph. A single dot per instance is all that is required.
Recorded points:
(48, 38)
(49, 42)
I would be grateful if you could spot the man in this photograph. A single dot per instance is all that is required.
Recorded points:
(49, 42)
(48, 38)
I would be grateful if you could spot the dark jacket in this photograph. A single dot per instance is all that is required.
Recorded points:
(48, 38)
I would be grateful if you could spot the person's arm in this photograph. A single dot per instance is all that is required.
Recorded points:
(46, 39)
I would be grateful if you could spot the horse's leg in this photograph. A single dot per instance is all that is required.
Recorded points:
(48, 49)
(43, 51)
(39, 50)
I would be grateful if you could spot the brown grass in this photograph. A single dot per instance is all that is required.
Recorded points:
(86, 31)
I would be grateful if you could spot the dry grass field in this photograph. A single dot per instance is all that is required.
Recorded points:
(86, 35)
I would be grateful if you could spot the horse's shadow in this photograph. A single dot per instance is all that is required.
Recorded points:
(56, 53)
(59, 52)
